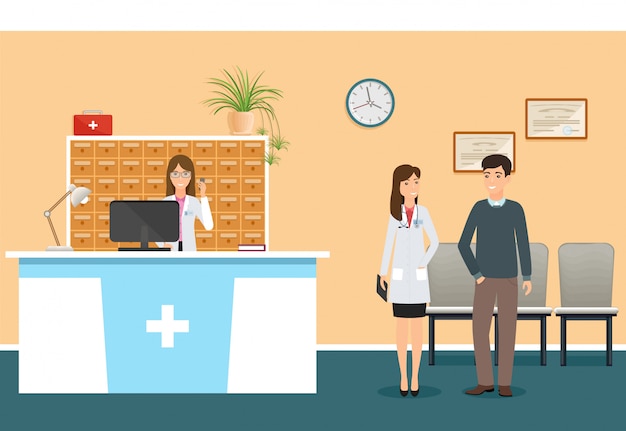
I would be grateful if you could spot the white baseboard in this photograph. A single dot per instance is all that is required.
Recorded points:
(9, 347)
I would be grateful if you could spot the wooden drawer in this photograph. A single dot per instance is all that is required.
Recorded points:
(228, 149)
(131, 149)
(252, 167)
(83, 182)
(253, 221)
(254, 149)
(227, 221)
(106, 149)
(211, 186)
(228, 167)
(103, 202)
(81, 149)
(103, 242)
(107, 186)
(154, 186)
(228, 186)
(252, 203)
(81, 167)
(102, 222)
(205, 168)
(253, 186)
(228, 204)
(228, 240)
(131, 186)
(179, 147)
(131, 167)
(82, 222)
(252, 237)
(106, 167)
(155, 149)
(82, 240)
(85, 208)
(205, 240)
(155, 167)
(153, 197)
(204, 149)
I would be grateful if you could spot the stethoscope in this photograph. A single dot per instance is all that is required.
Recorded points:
(404, 223)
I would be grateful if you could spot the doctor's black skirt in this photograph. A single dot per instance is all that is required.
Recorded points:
(409, 310)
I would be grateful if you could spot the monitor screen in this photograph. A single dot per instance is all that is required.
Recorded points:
(144, 222)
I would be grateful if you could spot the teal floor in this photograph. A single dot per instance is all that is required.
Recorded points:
(356, 390)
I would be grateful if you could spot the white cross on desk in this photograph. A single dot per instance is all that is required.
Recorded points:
(167, 326)
(92, 125)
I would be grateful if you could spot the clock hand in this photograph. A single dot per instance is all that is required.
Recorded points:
(360, 106)
(373, 104)
(369, 99)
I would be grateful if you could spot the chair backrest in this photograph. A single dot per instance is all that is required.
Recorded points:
(539, 277)
(586, 274)
(450, 282)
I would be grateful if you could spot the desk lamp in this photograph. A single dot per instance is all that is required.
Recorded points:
(80, 195)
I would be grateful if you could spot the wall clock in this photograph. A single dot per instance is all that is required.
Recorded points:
(370, 102)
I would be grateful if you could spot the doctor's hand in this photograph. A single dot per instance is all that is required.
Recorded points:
(202, 187)
(480, 279)
(384, 282)
(528, 287)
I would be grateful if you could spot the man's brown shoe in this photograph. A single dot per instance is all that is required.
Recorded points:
(505, 391)
(479, 390)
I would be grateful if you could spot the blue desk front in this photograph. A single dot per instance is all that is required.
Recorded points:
(153, 322)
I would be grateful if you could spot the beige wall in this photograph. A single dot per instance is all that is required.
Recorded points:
(331, 189)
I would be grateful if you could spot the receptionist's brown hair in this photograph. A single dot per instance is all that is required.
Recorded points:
(185, 163)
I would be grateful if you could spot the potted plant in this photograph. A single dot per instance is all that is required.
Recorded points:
(243, 95)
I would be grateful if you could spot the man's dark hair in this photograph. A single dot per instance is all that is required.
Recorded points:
(495, 160)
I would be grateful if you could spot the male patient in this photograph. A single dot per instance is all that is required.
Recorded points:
(498, 222)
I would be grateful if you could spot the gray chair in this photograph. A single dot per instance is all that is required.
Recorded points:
(586, 284)
(451, 290)
(533, 306)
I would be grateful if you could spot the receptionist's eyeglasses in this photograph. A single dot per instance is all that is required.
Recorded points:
(176, 174)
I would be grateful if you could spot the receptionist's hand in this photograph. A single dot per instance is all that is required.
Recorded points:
(202, 187)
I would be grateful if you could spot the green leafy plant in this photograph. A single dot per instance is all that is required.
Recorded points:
(240, 92)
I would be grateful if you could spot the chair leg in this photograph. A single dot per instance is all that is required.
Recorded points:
(542, 324)
(609, 341)
(431, 340)
(495, 341)
(563, 340)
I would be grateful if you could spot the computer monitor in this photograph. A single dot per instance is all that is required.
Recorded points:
(143, 222)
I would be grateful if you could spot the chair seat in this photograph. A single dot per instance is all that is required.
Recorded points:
(449, 309)
(586, 310)
(547, 311)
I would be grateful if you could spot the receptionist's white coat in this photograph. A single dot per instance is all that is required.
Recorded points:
(191, 209)
(408, 284)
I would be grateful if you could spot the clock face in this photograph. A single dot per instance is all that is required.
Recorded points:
(370, 102)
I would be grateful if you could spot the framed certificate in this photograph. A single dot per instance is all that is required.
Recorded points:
(470, 148)
(556, 118)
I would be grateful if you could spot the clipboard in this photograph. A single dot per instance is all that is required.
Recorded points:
(381, 292)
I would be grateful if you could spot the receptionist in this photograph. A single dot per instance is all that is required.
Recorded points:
(181, 183)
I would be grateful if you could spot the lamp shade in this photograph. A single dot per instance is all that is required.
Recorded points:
(79, 195)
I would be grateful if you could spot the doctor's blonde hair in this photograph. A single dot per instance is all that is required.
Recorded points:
(185, 163)
(401, 173)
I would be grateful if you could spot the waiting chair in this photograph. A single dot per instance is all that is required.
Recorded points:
(451, 290)
(586, 283)
(533, 306)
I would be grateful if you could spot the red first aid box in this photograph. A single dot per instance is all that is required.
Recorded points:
(93, 123)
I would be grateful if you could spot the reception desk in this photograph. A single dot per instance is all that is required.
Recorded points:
(163, 322)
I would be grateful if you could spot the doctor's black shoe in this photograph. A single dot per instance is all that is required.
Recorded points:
(404, 393)
(414, 393)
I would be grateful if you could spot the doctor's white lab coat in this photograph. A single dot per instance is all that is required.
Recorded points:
(408, 284)
(192, 208)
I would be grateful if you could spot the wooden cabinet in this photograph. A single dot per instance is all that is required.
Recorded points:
(134, 168)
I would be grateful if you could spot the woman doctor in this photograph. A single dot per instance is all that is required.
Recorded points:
(180, 187)
(408, 290)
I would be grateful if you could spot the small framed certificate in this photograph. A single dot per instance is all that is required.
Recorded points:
(556, 118)
(470, 148)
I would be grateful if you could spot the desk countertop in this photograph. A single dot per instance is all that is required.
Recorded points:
(167, 255)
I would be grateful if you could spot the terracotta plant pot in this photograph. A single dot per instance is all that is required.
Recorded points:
(240, 123)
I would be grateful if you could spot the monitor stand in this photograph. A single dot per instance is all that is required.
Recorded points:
(144, 247)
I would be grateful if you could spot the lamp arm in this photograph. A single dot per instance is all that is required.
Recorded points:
(54, 232)
(59, 201)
